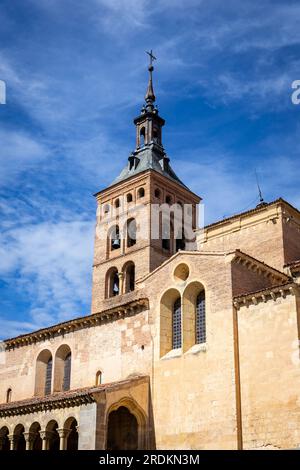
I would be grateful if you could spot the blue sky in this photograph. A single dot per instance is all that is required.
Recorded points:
(76, 75)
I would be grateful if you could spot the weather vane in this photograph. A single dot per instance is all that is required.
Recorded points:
(151, 56)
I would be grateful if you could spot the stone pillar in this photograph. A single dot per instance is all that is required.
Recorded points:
(45, 436)
(13, 439)
(121, 283)
(63, 436)
(29, 439)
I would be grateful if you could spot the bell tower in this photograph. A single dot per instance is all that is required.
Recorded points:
(130, 242)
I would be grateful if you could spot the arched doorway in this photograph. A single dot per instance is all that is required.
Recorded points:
(4, 441)
(53, 442)
(122, 430)
(20, 443)
(72, 439)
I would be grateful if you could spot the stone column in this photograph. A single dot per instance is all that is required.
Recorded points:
(29, 439)
(13, 439)
(45, 436)
(121, 283)
(63, 436)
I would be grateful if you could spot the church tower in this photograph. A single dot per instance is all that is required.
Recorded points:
(137, 229)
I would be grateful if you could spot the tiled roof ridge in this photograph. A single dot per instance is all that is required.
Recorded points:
(250, 211)
(76, 322)
(60, 399)
(260, 262)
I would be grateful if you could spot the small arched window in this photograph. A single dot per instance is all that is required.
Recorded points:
(142, 136)
(141, 193)
(169, 199)
(67, 372)
(117, 203)
(200, 318)
(115, 238)
(157, 193)
(48, 379)
(8, 395)
(99, 378)
(129, 197)
(176, 324)
(131, 233)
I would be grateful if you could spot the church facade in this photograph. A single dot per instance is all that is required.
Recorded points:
(193, 337)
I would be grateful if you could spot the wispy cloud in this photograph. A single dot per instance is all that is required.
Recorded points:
(74, 84)
(52, 264)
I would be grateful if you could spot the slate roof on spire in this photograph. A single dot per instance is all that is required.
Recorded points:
(150, 157)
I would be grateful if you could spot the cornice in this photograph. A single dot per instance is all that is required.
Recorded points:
(118, 311)
(265, 295)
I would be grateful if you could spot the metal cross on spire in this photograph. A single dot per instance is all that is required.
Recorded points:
(151, 56)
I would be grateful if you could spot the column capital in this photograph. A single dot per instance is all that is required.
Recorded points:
(63, 432)
(46, 435)
(30, 436)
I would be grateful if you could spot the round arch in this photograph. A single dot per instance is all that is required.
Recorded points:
(43, 373)
(62, 368)
(128, 271)
(20, 443)
(72, 439)
(34, 430)
(191, 319)
(167, 302)
(4, 441)
(53, 440)
(128, 416)
(112, 285)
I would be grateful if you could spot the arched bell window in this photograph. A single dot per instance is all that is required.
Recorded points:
(131, 233)
(166, 233)
(180, 240)
(129, 277)
(112, 283)
(141, 193)
(115, 238)
(142, 136)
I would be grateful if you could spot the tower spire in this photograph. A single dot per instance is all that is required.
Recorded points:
(150, 96)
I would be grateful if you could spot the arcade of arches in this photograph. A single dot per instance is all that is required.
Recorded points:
(51, 438)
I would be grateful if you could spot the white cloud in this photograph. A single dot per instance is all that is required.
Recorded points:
(18, 152)
(54, 266)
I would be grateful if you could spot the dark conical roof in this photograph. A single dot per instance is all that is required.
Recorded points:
(150, 157)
